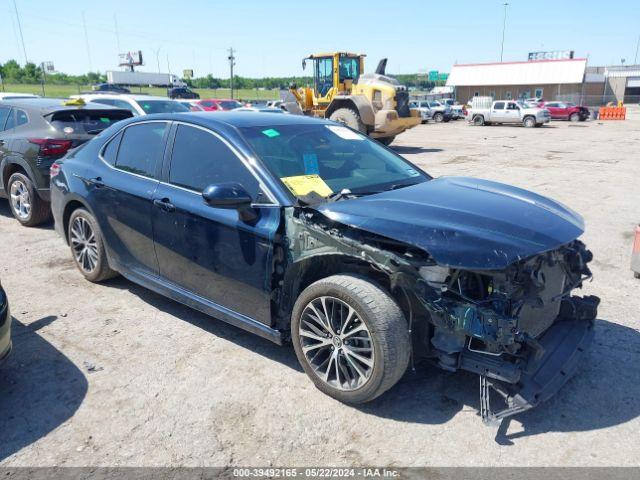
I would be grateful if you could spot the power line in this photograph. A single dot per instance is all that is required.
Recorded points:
(115, 24)
(24, 50)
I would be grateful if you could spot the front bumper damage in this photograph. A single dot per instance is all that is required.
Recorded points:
(560, 351)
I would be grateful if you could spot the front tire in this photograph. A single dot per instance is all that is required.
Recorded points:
(26, 206)
(438, 117)
(350, 118)
(350, 337)
(87, 247)
(574, 117)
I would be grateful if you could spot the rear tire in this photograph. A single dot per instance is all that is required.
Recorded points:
(350, 118)
(26, 206)
(376, 331)
(529, 122)
(87, 247)
(386, 140)
(478, 120)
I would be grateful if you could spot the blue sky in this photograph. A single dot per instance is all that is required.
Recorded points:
(271, 37)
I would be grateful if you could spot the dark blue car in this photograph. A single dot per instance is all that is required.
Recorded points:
(301, 229)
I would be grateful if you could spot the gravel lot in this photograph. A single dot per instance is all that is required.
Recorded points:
(115, 375)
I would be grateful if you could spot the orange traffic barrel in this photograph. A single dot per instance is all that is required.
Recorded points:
(635, 253)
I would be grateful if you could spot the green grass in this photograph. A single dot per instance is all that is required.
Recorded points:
(66, 90)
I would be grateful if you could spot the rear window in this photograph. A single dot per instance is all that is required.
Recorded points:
(230, 105)
(161, 106)
(89, 122)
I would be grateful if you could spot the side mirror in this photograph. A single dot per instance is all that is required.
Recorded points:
(232, 196)
(226, 195)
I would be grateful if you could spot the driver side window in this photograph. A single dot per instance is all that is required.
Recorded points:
(324, 75)
(200, 158)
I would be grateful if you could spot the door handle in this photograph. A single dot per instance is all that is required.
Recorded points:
(164, 204)
(96, 182)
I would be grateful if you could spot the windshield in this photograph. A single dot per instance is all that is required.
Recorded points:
(161, 106)
(327, 159)
(230, 104)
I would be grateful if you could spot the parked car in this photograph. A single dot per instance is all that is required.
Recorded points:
(110, 87)
(432, 110)
(216, 104)
(16, 96)
(505, 111)
(181, 92)
(5, 326)
(260, 109)
(34, 133)
(275, 104)
(566, 111)
(298, 228)
(136, 104)
(192, 105)
(457, 110)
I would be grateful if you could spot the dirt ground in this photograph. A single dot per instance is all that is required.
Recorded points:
(115, 375)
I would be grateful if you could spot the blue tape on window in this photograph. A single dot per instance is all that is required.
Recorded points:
(310, 163)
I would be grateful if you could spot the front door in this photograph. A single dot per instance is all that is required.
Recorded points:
(121, 193)
(210, 251)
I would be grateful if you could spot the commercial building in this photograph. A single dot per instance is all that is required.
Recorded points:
(549, 79)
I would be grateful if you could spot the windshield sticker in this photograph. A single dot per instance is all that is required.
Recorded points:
(271, 132)
(310, 163)
(344, 132)
(412, 172)
(302, 185)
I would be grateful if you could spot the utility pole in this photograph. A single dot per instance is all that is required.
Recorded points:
(504, 27)
(86, 40)
(115, 24)
(24, 50)
(157, 50)
(231, 64)
(635, 59)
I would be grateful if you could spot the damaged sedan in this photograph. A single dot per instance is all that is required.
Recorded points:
(304, 231)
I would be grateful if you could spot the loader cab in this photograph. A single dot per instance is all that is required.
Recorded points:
(334, 73)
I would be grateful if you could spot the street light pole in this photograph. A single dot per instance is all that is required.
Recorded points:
(232, 62)
(504, 27)
(635, 59)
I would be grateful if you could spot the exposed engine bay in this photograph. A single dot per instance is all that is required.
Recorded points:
(519, 327)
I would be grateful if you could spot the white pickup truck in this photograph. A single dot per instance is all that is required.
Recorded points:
(507, 111)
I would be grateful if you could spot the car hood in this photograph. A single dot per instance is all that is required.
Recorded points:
(463, 222)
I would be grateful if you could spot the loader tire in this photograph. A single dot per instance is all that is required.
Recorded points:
(350, 118)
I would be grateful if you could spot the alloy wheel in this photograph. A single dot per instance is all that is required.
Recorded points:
(84, 245)
(20, 199)
(336, 343)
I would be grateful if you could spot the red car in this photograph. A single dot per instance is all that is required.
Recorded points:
(215, 104)
(566, 111)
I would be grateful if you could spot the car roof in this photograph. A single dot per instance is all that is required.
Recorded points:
(221, 99)
(238, 119)
(49, 105)
(11, 95)
(116, 96)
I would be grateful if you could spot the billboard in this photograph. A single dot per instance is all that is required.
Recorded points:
(553, 55)
(130, 58)
(48, 67)
(187, 73)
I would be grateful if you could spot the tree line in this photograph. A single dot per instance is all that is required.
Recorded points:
(30, 73)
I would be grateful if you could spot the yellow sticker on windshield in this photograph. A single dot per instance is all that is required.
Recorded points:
(304, 184)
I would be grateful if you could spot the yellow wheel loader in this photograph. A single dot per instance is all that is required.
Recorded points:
(372, 103)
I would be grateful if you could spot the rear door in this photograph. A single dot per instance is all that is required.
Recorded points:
(121, 189)
(206, 250)
(498, 113)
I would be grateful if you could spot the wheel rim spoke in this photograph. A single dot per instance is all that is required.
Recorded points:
(336, 343)
(84, 245)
